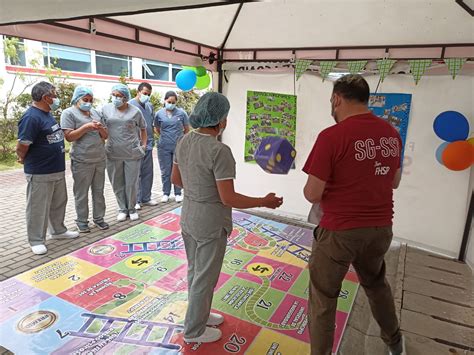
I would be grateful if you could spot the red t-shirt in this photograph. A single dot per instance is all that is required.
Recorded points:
(358, 159)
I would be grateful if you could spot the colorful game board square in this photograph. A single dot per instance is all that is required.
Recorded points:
(235, 260)
(105, 252)
(347, 296)
(298, 235)
(173, 246)
(292, 314)
(176, 280)
(40, 329)
(60, 274)
(282, 276)
(287, 252)
(16, 296)
(300, 287)
(237, 336)
(168, 221)
(103, 291)
(141, 233)
(341, 321)
(248, 300)
(148, 267)
(271, 342)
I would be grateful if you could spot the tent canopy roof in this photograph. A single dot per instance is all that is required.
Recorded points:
(271, 23)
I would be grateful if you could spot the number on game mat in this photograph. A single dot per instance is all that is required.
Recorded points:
(263, 304)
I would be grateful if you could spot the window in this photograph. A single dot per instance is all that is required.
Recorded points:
(67, 58)
(14, 49)
(175, 70)
(112, 64)
(155, 70)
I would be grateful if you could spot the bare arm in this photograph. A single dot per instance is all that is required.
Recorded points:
(21, 151)
(176, 176)
(314, 188)
(186, 129)
(231, 198)
(397, 178)
(143, 136)
(74, 134)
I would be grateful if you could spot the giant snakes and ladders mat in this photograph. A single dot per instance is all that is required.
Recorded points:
(127, 294)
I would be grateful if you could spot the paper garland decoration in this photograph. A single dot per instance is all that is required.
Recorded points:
(454, 65)
(325, 67)
(418, 68)
(384, 66)
(301, 66)
(356, 66)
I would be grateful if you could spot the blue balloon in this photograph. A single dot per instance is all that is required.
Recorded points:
(439, 152)
(186, 79)
(451, 126)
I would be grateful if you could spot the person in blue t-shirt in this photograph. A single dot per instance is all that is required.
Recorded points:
(171, 123)
(40, 149)
(145, 180)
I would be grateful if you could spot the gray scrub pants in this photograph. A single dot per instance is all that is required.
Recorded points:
(88, 175)
(46, 199)
(123, 175)
(205, 257)
(165, 158)
(145, 181)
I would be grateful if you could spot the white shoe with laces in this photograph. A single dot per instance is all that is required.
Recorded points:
(138, 206)
(210, 335)
(134, 216)
(215, 319)
(150, 203)
(165, 198)
(39, 249)
(65, 235)
(121, 217)
(179, 198)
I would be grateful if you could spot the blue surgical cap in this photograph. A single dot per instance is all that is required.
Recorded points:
(80, 92)
(211, 108)
(123, 89)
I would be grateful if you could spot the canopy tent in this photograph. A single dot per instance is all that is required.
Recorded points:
(231, 35)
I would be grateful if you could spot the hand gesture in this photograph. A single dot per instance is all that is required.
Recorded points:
(272, 201)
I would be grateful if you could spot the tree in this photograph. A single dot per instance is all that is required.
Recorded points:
(187, 100)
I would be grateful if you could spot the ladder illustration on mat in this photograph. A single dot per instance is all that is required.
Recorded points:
(162, 245)
(170, 330)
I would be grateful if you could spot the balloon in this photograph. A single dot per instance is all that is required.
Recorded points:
(201, 71)
(203, 82)
(186, 79)
(439, 152)
(458, 155)
(451, 126)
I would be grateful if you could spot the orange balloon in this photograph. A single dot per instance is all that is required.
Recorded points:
(471, 140)
(458, 155)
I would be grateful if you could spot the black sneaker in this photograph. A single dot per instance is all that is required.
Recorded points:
(83, 229)
(102, 225)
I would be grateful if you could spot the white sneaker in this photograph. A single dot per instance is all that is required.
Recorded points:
(133, 216)
(165, 198)
(138, 206)
(210, 335)
(65, 235)
(39, 249)
(215, 319)
(179, 198)
(121, 217)
(151, 203)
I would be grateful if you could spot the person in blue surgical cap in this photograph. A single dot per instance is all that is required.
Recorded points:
(205, 167)
(171, 123)
(124, 149)
(83, 126)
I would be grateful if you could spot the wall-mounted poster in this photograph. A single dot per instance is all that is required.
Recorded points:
(395, 109)
(268, 114)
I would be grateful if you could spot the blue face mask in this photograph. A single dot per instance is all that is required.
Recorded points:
(170, 107)
(117, 101)
(55, 104)
(144, 99)
(85, 106)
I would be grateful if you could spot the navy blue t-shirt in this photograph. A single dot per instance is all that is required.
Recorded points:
(40, 130)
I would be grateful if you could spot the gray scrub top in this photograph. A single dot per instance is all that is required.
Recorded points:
(171, 127)
(147, 112)
(90, 147)
(124, 132)
(202, 161)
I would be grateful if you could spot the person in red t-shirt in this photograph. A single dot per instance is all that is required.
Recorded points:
(352, 171)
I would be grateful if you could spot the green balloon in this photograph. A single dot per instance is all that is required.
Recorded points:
(201, 71)
(203, 82)
(189, 68)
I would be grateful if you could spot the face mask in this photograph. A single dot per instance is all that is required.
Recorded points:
(170, 107)
(117, 101)
(55, 104)
(144, 99)
(85, 106)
